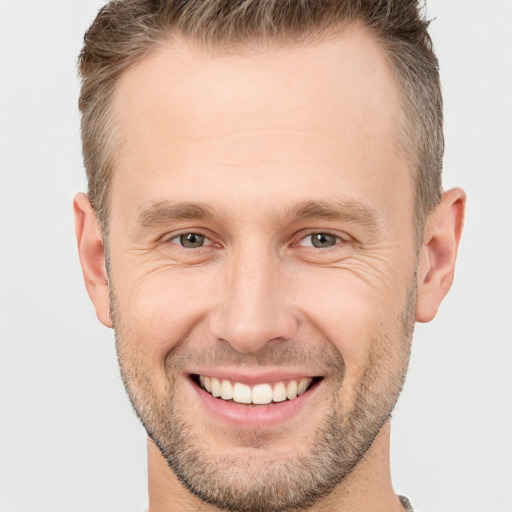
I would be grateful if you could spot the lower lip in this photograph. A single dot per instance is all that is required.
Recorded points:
(254, 416)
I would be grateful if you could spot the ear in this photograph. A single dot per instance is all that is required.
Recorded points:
(439, 252)
(92, 257)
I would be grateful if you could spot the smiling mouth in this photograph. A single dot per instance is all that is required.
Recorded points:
(259, 394)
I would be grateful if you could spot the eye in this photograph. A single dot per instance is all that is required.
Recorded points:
(320, 240)
(190, 240)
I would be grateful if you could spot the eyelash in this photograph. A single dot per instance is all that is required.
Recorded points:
(338, 240)
(177, 240)
(187, 233)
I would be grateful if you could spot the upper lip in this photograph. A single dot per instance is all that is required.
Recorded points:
(251, 377)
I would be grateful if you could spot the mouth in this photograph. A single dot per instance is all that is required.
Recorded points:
(261, 394)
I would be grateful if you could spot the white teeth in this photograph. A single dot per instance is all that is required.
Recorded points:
(291, 390)
(303, 385)
(242, 393)
(226, 390)
(260, 394)
(216, 387)
(279, 393)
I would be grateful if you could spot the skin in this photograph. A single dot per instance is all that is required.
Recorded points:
(256, 135)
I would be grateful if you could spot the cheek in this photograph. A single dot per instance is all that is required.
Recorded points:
(159, 309)
(355, 315)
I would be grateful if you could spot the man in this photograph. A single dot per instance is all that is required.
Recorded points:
(264, 225)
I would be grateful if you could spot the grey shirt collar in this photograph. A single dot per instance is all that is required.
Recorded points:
(406, 503)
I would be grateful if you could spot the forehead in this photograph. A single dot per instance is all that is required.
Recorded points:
(279, 117)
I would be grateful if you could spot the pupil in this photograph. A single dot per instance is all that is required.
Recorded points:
(323, 240)
(191, 240)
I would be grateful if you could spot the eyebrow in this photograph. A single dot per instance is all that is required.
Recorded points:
(164, 211)
(342, 210)
(159, 213)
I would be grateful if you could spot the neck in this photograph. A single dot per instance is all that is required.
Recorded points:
(367, 488)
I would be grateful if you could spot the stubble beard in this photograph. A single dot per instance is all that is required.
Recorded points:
(239, 484)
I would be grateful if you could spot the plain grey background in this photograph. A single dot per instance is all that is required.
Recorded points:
(68, 439)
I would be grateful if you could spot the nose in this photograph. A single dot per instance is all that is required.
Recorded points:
(253, 309)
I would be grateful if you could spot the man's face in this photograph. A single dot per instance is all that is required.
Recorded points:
(261, 234)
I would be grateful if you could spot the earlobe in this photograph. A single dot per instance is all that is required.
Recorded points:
(92, 257)
(439, 252)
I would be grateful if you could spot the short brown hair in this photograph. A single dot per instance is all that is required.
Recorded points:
(125, 31)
